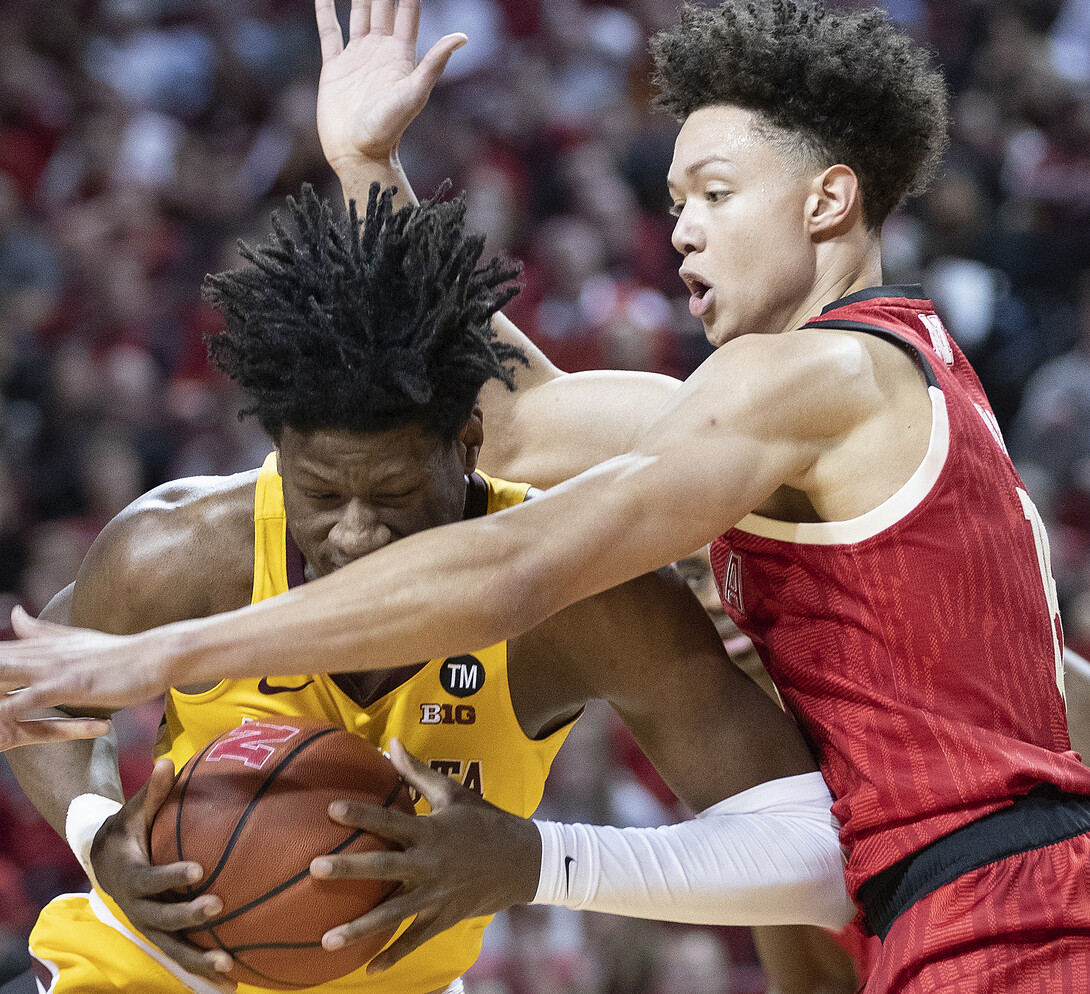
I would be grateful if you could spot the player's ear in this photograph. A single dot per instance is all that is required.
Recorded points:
(834, 204)
(471, 438)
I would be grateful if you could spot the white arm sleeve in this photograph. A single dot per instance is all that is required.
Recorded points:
(770, 855)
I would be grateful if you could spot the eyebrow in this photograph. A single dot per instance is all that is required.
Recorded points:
(695, 167)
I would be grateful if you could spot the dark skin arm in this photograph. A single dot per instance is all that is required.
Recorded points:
(1077, 692)
(804, 959)
(555, 424)
(646, 647)
(174, 554)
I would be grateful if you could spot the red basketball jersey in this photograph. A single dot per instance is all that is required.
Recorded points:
(919, 645)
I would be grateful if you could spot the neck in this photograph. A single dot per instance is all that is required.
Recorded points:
(840, 278)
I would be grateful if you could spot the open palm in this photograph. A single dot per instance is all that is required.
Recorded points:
(371, 88)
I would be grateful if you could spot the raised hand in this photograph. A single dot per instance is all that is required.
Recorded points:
(123, 867)
(371, 89)
(467, 858)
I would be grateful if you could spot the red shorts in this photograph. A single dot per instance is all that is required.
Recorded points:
(1020, 925)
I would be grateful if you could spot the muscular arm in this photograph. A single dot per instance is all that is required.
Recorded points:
(648, 648)
(155, 563)
(765, 847)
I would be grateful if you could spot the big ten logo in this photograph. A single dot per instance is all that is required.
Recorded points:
(252, 743)
(461, 676)
(448, 714)
(470, 778)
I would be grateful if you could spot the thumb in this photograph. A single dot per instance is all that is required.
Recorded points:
(157, 789)
(28, 627)
(436, 787)
(435, 62)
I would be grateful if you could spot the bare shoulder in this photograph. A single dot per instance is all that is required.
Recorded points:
(183, 550)
(812, 371)
(803, 387)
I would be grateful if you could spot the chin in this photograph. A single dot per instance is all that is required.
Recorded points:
(718, 334)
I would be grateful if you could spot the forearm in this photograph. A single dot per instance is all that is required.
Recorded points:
(377, 613)
(53, 775)
(768, 856)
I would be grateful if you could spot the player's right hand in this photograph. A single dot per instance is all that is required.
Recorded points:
(371, 89)
(122, 864)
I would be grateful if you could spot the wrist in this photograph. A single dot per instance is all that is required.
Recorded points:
(527, 863)
(358, 170)
(86, 816)
(369, 164)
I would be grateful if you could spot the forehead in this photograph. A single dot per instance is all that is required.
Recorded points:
(410, 449)
(729, 139)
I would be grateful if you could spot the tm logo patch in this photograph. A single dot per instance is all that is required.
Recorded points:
(461, 676)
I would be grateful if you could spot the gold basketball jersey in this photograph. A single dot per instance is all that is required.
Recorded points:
(454, 714)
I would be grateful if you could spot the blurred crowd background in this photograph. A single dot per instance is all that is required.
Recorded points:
(140, 138)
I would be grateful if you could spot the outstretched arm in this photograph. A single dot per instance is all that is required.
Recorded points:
(713, 456)
(554, 425)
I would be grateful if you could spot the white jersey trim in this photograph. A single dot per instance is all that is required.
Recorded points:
(190, 980)
(875, 521)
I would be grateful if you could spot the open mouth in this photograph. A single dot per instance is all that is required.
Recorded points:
(701, 294)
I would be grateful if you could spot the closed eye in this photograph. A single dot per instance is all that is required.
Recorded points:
(676, 209)
(394, 498)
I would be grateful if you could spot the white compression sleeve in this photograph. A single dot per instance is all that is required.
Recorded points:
(770, 855)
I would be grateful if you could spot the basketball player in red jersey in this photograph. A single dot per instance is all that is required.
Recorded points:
(868, 529)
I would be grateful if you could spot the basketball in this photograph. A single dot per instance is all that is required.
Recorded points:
(252, 809)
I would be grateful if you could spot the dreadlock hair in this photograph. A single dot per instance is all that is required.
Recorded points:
(843, 87)
(364, 325)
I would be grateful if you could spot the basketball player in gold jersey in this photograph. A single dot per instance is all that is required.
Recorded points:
(363, 353)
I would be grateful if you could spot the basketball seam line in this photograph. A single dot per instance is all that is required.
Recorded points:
(241, 823)
(279, 888)
(181, 804)
(255, 972)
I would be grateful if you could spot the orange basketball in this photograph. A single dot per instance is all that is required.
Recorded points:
(252, 809)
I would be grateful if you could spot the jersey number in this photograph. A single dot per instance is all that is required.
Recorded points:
(1044, 561)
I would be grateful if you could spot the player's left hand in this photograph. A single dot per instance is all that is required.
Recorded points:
(467, 858)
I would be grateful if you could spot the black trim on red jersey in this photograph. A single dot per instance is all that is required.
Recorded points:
(890, 336)
(1043, 817)
(912, 291)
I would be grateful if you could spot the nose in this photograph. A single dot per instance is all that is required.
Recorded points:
(357, 532)
(687, 235)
